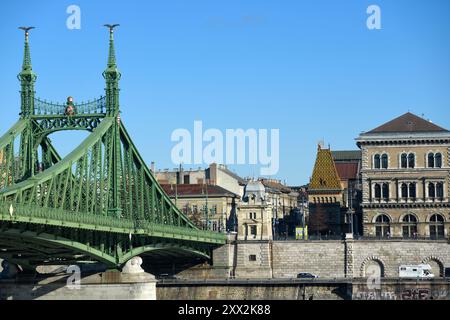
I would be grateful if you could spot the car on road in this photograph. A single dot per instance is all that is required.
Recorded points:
(166, 276)
(306, 275)
(421, 271)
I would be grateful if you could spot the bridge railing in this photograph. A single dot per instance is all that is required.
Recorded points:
(43, 107)
(12, 211)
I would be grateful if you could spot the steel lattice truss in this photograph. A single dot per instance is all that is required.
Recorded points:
(99, 203)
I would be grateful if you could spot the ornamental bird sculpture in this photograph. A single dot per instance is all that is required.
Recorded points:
(26, 29)
(111, 26)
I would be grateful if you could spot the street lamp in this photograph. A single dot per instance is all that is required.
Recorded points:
(350, 210)
(303, 216)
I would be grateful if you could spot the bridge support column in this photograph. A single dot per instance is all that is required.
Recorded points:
(8, 270)
(133, 283)
(349, 256)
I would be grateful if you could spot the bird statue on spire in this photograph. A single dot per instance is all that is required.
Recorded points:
(26, 29)
(111, 27)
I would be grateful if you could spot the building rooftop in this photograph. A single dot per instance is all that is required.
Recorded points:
(325, 175)
(407, 123)
(276, 185)
(193, 190)
(346, 155)
(240, 180)
(347, 170)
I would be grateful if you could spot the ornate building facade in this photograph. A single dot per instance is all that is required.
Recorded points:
(405, 179)
(255, 214)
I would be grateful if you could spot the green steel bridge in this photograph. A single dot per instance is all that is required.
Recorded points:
(100, 203)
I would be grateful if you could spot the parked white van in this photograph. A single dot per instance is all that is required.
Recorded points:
(421, 271)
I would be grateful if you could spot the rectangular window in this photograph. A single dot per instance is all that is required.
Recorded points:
(186, 179)
(253, 231)
(252, 257)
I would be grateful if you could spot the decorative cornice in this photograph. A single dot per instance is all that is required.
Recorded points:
(405, 205)
(410, 138)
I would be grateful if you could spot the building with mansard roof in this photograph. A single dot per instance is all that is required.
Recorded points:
(405, 179)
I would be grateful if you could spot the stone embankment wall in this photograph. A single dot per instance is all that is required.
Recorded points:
(327, 259)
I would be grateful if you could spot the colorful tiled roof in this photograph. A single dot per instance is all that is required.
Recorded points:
(325, 175)
(408, 123)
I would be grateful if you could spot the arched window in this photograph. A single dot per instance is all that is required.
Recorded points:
(404, 160)
(377, 191)
(384, 161)
(438, 160)
(376, 160)
(382, 226)
(409, 226)
(437, 227)
(404, 190)
(431, 191)
(386, 191)
(411, 160)
(412, 190)
(440, 190)
(430, 160)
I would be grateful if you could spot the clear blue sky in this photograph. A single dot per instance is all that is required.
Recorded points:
(310, 68)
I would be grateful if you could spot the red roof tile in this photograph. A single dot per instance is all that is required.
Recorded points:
(195, 190)
(347, 170)
(408, 123)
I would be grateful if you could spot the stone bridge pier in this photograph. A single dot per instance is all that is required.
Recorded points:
(132, 283)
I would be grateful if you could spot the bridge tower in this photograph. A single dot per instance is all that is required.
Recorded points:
(112, 76)
(27, 80)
